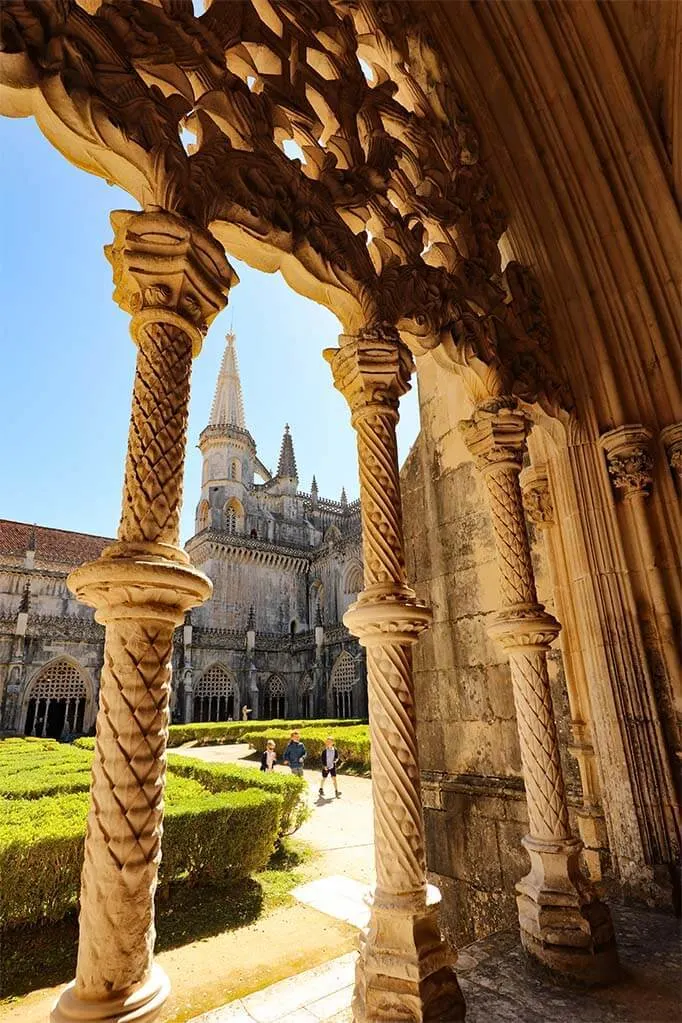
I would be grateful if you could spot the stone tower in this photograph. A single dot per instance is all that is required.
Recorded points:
(228, 450)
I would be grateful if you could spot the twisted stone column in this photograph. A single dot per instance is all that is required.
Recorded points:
(405, 971)
(173, 278)
(563, 923)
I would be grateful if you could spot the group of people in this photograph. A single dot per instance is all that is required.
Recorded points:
(294, 757)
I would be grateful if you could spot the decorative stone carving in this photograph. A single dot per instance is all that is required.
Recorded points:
(404, 963)
(629, 459)
(537, 498)
(386, 216)
(563, 923)
(672, 442)
(174, 279)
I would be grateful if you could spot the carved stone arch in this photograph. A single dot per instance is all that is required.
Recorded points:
(388, 217)
(342, 684)
(353, 578)
(275, 698)
(203, 516)
(216, 695)
(58, 699)
(233, 516)
(306, 691)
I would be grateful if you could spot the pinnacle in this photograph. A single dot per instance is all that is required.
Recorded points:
(287, 459)
(228, 405)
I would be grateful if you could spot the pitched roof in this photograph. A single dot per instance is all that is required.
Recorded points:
(58, 545)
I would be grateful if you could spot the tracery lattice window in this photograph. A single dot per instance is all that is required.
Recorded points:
(342, 684)
(306, 690)
(56, 701)
(230, 520)
(275, 698)
(216, 695)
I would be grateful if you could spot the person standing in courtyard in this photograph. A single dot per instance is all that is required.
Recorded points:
(269, 757)
(330, 761)
(245, 713)
(295, 754)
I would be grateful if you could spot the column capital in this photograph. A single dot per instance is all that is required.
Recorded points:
(496, 435)
(537, 497)
(168, 270)
(372, 369)
(629, 459)
(524, 627)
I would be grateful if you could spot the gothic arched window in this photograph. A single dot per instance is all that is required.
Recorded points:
(56, 701)
(235, 469)
(202, 516)
(342, 683)
(230, 519)
(216, 695)
(275, 699)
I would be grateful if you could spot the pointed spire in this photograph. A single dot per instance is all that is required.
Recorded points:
(228, 405)
(344, 499)
(314, 493)
(287, 459)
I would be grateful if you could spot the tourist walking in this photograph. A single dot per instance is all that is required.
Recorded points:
(295, 754)
(330, 761)
(268, 757)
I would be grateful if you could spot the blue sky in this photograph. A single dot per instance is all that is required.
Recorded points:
(68, 361)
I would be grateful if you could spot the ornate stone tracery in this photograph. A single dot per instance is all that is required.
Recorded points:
(388, 215)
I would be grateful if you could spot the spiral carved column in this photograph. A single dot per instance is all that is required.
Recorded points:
(563, 923)
(174, 279)
(405, 971)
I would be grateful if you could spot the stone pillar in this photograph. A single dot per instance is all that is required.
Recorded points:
(405, 971)
(563, 923)
(173, 278)
(539, 506)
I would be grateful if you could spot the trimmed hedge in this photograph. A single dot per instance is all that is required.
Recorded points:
(235, 777)
(352, 743)
(216, 829)
(215, 732)
(32, 768)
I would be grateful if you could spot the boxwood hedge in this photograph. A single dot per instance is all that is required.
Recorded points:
(221, 822)
(352, 743)
(215, 732)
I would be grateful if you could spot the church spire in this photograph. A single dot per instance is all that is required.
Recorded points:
(228, 406)
(287, 459)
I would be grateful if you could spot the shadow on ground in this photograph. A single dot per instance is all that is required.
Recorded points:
(45, 955)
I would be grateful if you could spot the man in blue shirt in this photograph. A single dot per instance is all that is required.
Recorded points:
(295, 754)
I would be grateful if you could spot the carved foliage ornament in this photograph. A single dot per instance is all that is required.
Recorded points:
(629, 460)
(384, 213)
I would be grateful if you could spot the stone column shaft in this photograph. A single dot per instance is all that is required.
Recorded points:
(405, 970)
(562, 922)
(173, 278)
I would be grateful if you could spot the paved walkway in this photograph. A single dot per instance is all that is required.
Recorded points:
(500, 987)
(342, 829)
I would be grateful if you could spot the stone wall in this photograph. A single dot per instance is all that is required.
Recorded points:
(473, 789)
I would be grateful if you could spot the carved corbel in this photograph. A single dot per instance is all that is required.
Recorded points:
(629, 460)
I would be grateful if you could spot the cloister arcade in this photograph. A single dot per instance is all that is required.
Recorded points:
(396, 216)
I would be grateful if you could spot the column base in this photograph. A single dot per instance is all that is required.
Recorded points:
(139, 1006)
(564, 925)
(405, 973)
